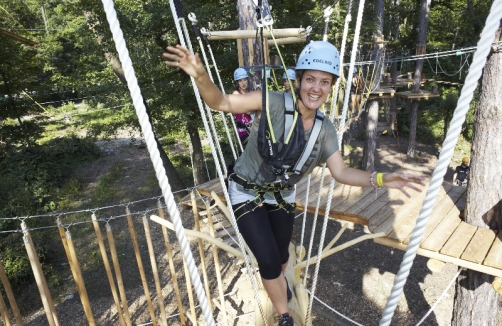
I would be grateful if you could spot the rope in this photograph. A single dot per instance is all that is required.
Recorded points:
(193, 19)
(223, 90)
(441, 296)
(340, 133)
(146, 128)
(220, 174)
(471, 82)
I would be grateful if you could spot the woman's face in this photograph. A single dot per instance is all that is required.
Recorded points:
(315, 88)
(243, 84)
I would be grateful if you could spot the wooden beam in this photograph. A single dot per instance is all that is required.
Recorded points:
(287, 40)
(241, 34)
(18, 38)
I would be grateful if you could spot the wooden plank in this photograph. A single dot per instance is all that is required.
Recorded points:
(459, 240)
(381, 201)
(444, 203)
(339, 194)
(301, 188)
(366, 201)
(209, 186)
(401, 223)
(447, 259)
(494, 258)
(478, 248)
(354, 199)
(394, 198)
(438, 237)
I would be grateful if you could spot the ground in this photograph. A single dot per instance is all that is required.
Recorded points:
(356, 282)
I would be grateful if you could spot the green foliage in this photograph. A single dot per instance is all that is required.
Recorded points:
(32, 178)
(107, 185)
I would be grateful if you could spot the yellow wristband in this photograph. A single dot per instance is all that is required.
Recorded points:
(379, 179)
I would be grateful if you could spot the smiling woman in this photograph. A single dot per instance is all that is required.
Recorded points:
(288, 139)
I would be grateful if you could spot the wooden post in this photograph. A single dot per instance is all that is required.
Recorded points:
(174, 277)
(10, 296)
(155, 271)
(75, 268)
(193, 316)
(201, 250)
(109, 274)
(118, 274)
(217, 266)
(45, 295)
(140, 266)
(3, 312)
(79, 280)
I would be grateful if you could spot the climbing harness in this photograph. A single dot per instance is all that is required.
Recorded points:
(290, 159)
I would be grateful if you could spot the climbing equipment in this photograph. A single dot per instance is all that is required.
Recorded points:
(320, 55)
(290, 73)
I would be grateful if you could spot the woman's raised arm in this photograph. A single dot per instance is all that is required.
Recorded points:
(190, 63)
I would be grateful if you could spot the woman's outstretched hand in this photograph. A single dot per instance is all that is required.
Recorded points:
(402, 181)
(182, 58)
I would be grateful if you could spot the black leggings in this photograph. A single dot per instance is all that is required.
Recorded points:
(267, 231)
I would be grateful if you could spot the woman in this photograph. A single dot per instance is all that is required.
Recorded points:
(262, 196)
(356, 89)
(292, 76)
(243, 120)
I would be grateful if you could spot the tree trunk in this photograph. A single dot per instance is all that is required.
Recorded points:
(422, 37)
(199, 173)
(370, 143)
(368, 162)
(247, 20)
(14, 109)
(476, 302)
(175, 180)
(393, 100)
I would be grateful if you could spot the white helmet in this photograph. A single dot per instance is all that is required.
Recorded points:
(240, 73)
(320, 55)
(291, 74)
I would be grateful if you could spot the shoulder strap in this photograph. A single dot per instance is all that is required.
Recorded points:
(288, 113)
(316, 129)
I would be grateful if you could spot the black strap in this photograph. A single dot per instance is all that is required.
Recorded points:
(254, 203)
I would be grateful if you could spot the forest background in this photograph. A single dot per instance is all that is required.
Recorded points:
(72, 80)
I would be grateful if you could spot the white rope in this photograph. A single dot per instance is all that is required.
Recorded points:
(334, 310)
(146, 128)
(219, 171)
(340, 135)
(471, 82)
(231, 117)
(193, 19)
(351, 68)
(441, 296)
(348, 19)
(208, 110)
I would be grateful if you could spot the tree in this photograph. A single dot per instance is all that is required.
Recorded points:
(371, 117)
(422, 37)
(476, 302)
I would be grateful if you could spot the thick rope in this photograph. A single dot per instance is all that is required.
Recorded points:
(470, 84)
(348, 18)
(208, 110)
(219, 171)
(160, 172)
(346, 98)
(193, 19)
(340, 135)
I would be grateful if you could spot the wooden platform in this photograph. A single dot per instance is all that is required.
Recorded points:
(417, 96)
(446, 237)
(382, 93)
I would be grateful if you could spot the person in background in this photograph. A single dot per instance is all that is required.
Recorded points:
(461, 173)
(292, 76)
(356, 89)
(243, 120)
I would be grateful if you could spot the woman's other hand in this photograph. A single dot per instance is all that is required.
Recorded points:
(402, 181)
(182, 58)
